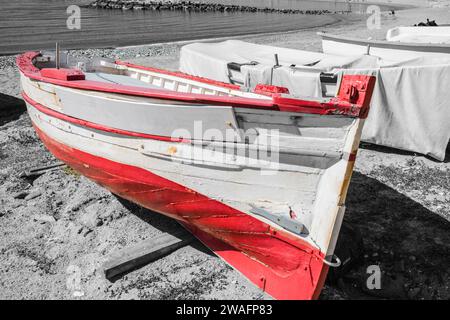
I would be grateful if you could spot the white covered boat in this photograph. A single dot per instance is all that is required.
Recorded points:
(409, 108)
(248, 64)
(387, 50)
(422, 34)
(260, 178)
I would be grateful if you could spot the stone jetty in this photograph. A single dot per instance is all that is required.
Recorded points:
(195, 6)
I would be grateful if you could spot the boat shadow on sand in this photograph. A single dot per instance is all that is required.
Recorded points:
(384, 149)
(10, 108)
(382, 227)
(405, 240)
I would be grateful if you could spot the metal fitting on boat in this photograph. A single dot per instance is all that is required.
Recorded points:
(330, 262)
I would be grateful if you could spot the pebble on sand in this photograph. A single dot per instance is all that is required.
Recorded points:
(33, 195)
(43, 218)
(20, 195)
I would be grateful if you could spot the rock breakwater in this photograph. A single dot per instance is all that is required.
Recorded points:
(195, 6)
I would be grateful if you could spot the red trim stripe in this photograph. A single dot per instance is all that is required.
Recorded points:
(96, 126)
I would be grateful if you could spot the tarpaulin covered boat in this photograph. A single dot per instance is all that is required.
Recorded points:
(388, 50)
(249, 64)
(409, 108)
(422, 34)
(259, 177)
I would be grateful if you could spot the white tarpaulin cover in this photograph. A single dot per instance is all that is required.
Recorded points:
(210, 60)
(410, 105)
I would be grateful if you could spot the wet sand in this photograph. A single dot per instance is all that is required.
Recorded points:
(398, 202)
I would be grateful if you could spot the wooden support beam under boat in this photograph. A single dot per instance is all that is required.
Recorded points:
(142, 253)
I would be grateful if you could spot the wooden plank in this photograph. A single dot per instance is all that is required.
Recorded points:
(38, 171)
(144, 252)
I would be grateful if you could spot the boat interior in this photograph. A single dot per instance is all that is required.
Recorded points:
(108, 71)
(328, 80)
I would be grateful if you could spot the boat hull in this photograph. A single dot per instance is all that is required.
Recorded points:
(267, 198)
(279, 264)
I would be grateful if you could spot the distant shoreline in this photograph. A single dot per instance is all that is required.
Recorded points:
(101, 30)
(236, 5)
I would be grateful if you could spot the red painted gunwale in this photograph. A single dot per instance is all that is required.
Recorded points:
(277, 103)
(283, 265)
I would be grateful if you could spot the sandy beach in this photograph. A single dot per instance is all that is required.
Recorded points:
(398, 203)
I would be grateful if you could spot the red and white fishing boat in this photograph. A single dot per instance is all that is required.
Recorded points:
(135, 131)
